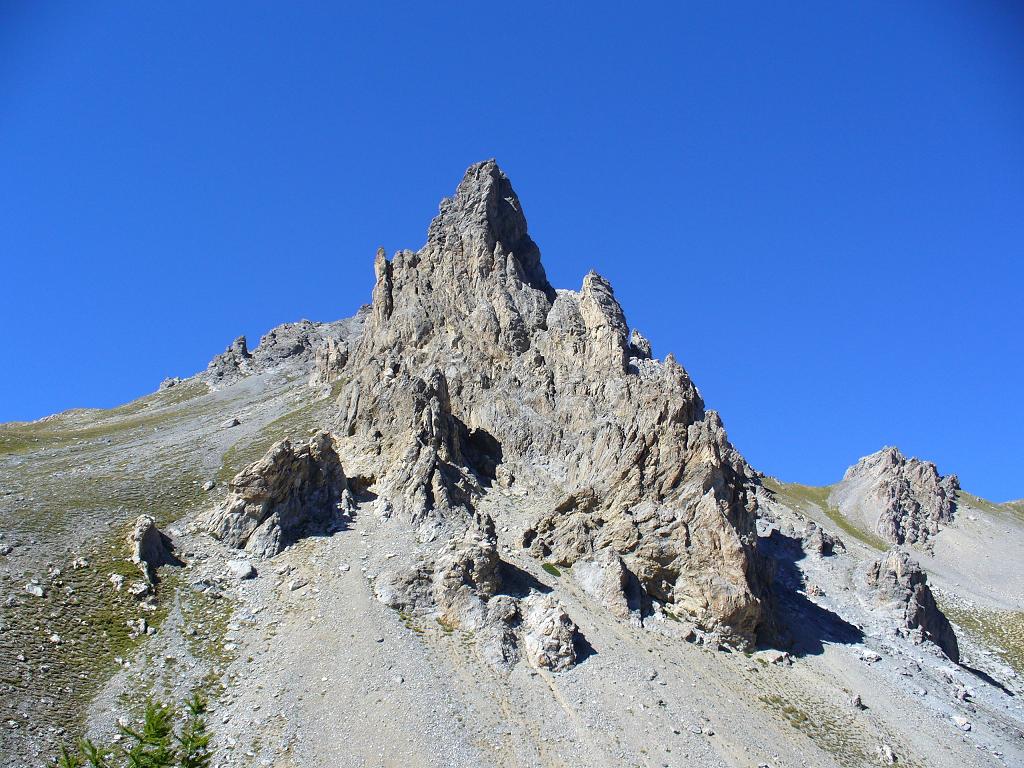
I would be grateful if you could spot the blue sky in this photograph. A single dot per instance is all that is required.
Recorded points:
(819, 208)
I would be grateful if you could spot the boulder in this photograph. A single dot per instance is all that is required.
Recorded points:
(150, 548)
(549, 633)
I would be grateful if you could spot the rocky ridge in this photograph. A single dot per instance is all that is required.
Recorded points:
(906, 501)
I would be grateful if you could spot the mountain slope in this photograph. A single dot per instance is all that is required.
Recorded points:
(521, 541)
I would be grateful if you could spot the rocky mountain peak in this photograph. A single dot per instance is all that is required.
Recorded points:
(485, 211)
(907, 497)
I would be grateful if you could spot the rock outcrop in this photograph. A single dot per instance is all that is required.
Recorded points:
(819, 541)
(905, 501)
(150, 548)
(329, 360)
(606, 578)
(899, 584)
(474, 370)
(290, 493)
(232, 363)
(549, 634)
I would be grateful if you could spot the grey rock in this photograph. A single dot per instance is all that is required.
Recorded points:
(906, 501)
(288, 494)
(35, 589)
(818, 540)
(150, 548)
(899, 584)
(472, 370)
(241, 569)
(549, 633)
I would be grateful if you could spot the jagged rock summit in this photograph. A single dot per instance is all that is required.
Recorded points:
(905, 500)
(473, 370)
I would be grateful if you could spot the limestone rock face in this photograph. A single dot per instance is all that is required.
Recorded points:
(473, 370)
(550, 634)
(906, 501)
(328, 361)
(605, 578)
(290, 493)
(150, 547)
(899, 583)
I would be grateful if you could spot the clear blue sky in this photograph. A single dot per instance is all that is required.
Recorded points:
(818, 209)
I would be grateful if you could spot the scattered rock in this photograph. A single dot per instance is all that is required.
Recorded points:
(35, 589)
(241, 569)
(962, 723)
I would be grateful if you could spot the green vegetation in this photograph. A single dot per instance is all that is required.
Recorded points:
(66, 428)
(800, 497)
(831, 729)
(71, 639)
(1002, 631)
(155, 745)
(1011, 508)
(552, 569)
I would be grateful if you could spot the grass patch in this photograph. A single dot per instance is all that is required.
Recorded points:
(830, 729)
(89, 424)
(1010, 508)
(800, 497)
(1000, 631)
(60, 649)
(552, 569)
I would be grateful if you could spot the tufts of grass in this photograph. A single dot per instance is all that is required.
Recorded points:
(89, 424)
(1001, 631)
(62, 648)
(830, 729)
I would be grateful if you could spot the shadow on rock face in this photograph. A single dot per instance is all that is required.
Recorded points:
(515, 582)
(484, 453)
(804, 626)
